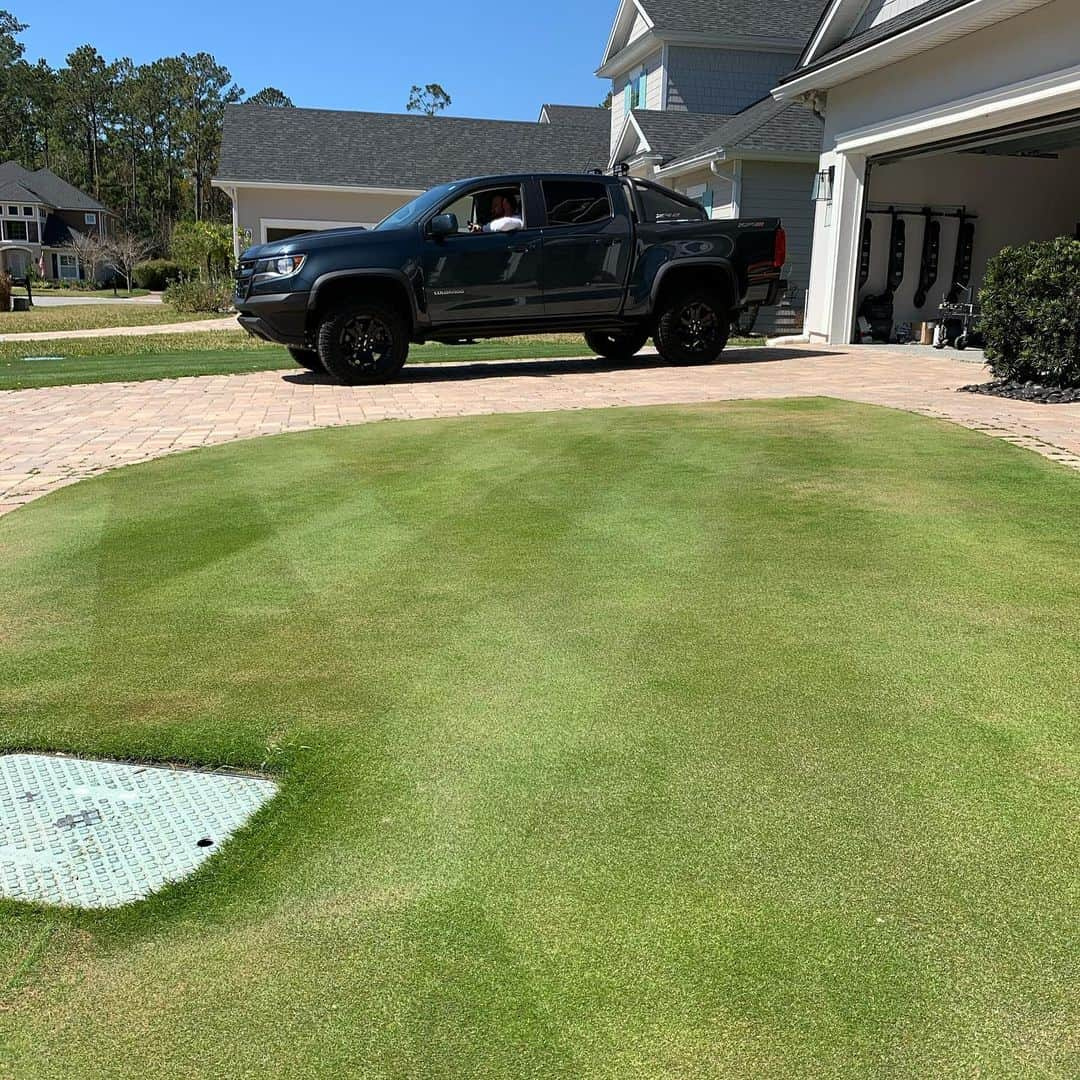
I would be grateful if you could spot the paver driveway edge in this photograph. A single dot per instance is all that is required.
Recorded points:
(58, 435)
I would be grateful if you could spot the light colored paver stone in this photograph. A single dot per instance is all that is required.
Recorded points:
(56, 436)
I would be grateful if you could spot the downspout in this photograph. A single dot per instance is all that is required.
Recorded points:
(235, 226)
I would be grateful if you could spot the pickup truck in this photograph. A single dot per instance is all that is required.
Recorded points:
(616, 258)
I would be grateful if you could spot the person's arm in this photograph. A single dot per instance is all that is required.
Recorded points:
(504, 224)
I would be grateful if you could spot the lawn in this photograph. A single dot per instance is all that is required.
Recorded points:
(95, 317)
(219, 352)
(716, 741)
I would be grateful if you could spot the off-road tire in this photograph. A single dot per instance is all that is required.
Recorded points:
(617, 346)
(363, 343)
(693, 327)
(308, 358)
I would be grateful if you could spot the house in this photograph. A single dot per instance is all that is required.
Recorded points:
(952, 129)
(40, 213)
(297, 170)
(691, 109)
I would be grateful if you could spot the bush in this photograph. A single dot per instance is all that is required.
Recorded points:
(194, 295)
(156, 274)
(5, 291)
(1030, 302)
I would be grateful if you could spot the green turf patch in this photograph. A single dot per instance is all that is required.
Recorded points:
(713, 741)
(220, 352)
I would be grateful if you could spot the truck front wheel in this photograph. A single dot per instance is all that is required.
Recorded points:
(692, 328)
(363, 343)
(617, 346)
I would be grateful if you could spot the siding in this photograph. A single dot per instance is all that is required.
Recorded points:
(653, 90)
(722, 80)
(772, 189)
(879, 11)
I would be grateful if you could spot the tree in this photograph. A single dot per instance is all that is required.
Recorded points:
(86, 92)
(428, 99)
(606, 103)
(90, 251)
(272, 98)
(203, 246)
(124, 249)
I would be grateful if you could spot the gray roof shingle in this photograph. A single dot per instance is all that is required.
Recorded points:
(395, 150)
(594, 115)
(45, 186)
(768, 126)
(779, 19)
(669, 133)
(874, 34)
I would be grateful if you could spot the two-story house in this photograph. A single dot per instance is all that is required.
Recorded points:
(39, 214)
(691, 108)
(952, 129)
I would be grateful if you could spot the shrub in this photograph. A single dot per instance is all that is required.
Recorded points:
(156, 274)
(195, 295)
(204, 247)
(5, 291)
(1030, 302)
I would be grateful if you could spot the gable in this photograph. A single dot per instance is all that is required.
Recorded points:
(631, 23)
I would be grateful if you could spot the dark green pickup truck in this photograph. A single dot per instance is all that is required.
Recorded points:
(616, 258)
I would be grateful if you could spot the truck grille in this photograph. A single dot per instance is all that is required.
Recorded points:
(243, 274)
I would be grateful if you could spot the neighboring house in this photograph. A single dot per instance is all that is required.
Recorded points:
(39, 215)
(298, 170)
(691, 109)
(958, 119)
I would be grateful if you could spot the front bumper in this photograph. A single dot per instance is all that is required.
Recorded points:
(277, 317)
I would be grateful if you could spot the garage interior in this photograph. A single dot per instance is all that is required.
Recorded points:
(1000, 188)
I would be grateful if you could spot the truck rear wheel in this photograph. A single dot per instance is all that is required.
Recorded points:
(693, 328)
(363, 343)
(617, 346)
(308, 358)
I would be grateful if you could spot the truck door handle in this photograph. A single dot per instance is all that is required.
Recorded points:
(522, 247)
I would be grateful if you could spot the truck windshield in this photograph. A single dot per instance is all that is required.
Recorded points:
(413, 211)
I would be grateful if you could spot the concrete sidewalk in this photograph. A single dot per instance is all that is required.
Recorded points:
(195, 325)
(56, 436)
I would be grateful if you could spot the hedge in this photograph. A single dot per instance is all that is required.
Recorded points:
(157, 274)
(1030, 302)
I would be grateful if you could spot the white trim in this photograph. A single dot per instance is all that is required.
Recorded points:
(940, 30)
(665, 60)
(718, 155)
(642, 147)
(235, 225)
(1027, 100)
(815, 45)
(275, 185)
(617, 24)
(308, 225)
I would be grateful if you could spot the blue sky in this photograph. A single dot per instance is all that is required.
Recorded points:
(500, 60)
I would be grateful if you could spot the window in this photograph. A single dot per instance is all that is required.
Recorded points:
(482, 207)
(576, 202)
(659, 206)
(32, 233)
(42, 213)
(28, 211)
(13, 211)
(14, 230)
(89, 219)
(637, 90)
(69, 267)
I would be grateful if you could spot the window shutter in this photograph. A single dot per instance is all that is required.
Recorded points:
(643, 81)
(706, 201)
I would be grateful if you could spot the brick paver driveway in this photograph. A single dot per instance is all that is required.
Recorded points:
(55, 436)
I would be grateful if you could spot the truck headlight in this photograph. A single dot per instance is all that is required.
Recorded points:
(276, 267)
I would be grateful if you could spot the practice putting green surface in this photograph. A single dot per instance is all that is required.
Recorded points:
(714, 741)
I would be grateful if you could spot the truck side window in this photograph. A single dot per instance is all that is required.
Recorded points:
(576, 202)
(660, 207)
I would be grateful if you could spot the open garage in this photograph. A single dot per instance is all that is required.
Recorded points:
(936, 214)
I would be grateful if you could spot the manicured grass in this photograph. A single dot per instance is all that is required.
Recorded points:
(715, 741)
(95, 317)
(214, 352)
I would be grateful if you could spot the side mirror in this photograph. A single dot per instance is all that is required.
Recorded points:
(443, 225)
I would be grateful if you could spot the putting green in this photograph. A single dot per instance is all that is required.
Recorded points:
(715, 741)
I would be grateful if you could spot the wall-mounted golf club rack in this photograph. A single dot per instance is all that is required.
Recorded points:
(878, 310)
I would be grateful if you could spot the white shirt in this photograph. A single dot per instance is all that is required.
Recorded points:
(504, 224)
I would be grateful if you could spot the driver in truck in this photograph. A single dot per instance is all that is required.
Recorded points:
(505, 215)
